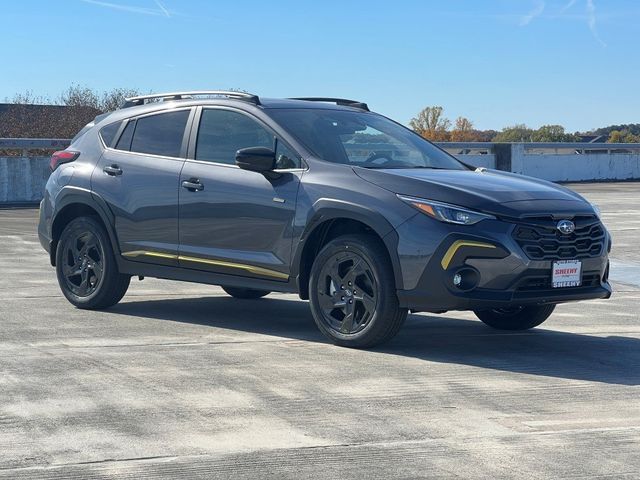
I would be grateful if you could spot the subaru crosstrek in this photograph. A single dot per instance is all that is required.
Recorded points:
(317, 196)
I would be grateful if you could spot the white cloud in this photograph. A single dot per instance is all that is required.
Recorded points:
(591, 21)
(164, 10)
(535, 12)
(159, 12)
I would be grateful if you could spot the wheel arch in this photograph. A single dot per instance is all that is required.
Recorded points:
(77, 203)
(330, 219)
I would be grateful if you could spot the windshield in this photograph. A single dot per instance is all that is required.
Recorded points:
(361, 139)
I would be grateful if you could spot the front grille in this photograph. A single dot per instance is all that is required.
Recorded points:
(541, 240)
(543, 282)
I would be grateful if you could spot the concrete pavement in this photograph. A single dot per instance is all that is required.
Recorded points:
(181, 381)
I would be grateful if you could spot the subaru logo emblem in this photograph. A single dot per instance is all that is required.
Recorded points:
(566, 226)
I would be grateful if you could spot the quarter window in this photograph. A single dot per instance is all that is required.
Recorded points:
(285, 157)
(108, 133)
(124, 143)
(222, 133)
(160, 134)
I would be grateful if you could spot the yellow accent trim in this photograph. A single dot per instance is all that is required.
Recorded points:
(145, 253)
(220, 263)
(239, 266)
(457, 245)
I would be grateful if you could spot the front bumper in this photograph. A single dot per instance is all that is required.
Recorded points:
(503, 275)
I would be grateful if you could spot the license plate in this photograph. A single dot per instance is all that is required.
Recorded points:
(566, 273)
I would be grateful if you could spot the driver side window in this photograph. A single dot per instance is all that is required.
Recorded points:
(223, 132)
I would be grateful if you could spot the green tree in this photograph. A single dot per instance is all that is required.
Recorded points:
(623, 136)
(431, 124)
(515, 133)
(552, 133)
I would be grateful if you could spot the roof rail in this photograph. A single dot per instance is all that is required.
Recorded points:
(338, 101)
(142, 99)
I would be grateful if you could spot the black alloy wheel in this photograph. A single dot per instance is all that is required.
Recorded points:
(86, 266)
(347, 292)
(352, 292)
(82, 267)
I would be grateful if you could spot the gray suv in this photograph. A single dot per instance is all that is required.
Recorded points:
(317, 196)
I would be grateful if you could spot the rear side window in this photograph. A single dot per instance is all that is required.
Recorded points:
(108, 133)
(222, 133)
(160, 134)
(124, 143)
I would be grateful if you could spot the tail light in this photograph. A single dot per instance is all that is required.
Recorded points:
(62, 156)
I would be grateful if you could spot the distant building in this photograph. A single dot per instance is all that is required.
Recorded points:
(43, 121)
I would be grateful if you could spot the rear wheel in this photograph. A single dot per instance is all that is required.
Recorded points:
(245, 293)
(86, 266)
(352, 292)
(515, 318)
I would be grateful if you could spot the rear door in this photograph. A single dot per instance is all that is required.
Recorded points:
(237, 222)
(138, 177)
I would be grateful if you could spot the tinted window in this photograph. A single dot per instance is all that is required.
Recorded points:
(125, 139)
(108, 133)
(222, 133)
(285, 157)
(160, 134)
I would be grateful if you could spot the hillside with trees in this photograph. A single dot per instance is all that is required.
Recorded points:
(30, 115)
(432, 124)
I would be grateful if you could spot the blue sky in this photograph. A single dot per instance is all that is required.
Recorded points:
(497, 62)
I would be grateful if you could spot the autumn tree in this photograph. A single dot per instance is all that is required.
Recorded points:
(27, 98)
(463, 131)
(431, 124)
(108, 101)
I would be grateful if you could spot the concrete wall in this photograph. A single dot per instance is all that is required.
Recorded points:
(575, 168)
(22, 179)
(486, 161)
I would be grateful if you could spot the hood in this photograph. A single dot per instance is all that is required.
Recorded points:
(490, 191)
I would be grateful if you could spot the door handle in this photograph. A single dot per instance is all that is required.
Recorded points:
(193, 185)
(112, 170)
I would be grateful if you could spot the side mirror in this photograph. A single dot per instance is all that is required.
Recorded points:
(256, 159)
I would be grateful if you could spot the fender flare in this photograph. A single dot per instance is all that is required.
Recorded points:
(329, 209)
(75, 195)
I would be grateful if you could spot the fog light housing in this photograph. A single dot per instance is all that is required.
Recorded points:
(466, 279)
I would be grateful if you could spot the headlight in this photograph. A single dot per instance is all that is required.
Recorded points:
(596, 209)
(446, 212)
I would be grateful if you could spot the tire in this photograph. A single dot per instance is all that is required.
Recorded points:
(86, 266)
(245, 293)
(517, 318)
(352, 292)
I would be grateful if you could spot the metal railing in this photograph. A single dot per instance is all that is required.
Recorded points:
(566, 148)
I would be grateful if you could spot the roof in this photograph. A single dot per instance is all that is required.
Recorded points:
(43, 121)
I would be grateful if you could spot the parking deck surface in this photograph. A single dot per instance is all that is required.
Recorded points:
(181, 381)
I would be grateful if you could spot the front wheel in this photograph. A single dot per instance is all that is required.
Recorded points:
(352, 292)
(515, 318)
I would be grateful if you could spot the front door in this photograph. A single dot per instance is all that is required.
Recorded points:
(234, 221)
